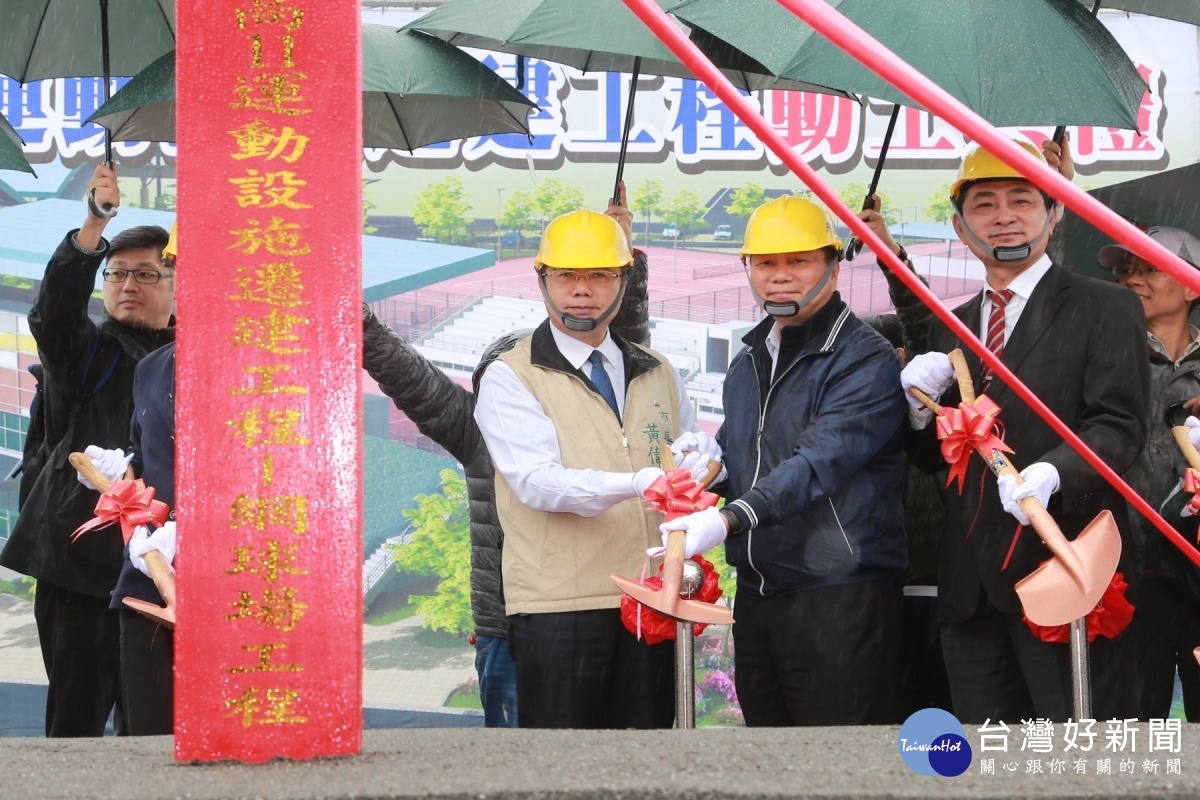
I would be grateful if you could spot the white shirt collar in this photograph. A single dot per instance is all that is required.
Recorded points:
(1024, 284)
(577, 353)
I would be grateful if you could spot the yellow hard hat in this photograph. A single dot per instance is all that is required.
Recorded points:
(980, 165)
(583, 240)
(171, 251)
(789, 225)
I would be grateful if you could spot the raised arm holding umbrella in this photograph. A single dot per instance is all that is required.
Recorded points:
(84, 39)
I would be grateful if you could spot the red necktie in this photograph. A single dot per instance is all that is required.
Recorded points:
(995, 330)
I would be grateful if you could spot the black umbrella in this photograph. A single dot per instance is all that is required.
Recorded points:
(1170, 198)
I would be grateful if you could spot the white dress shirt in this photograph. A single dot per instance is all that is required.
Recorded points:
(523, 442)
(1022, 288)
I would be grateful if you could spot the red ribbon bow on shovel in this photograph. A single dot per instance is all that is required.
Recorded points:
(646, 623)
(1191, 483)
(129, 502)
(676, 493)
(966, 428)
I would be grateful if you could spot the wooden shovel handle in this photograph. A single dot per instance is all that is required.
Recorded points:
(83, 465)
(160, 573)
(966, 388)
(1041, 522)
(1186, 446)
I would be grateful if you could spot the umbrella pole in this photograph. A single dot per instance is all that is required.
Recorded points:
(685, 676)
(1081, 671)
(637, 68)
(107, 210)
(855, 243)
(1061, 129)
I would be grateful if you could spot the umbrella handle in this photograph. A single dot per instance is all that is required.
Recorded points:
(855, 244)
(105, 211)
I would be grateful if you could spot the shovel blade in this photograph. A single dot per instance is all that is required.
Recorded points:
(163, 616)
(1050, 596)
(677, 607)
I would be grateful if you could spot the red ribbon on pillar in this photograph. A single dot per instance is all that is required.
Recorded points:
(1110, 616)
(965, 428)
(130, 503)
(677, 494)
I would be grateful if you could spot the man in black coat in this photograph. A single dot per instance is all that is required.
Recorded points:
(1079, 344)
(86, 400)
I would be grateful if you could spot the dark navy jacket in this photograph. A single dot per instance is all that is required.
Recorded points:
(152, 435)
(814, 457)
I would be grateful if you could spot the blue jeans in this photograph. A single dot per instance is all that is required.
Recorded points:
(497, 682)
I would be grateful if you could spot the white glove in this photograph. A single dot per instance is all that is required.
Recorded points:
(112, 463)
(1193, 425)
(705, 530)
(1040, 481)
(701, 449)
(162, 540)
(697, 442)
(644, 477)
(933, 374)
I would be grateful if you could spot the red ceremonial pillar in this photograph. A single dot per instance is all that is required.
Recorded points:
(268, 645)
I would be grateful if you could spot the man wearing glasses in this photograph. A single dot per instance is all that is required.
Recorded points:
(1166, 626)
(87, 399)
(575, 419)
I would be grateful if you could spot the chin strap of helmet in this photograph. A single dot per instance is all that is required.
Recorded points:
(793, 307)
(1007, 254)
(582, 324)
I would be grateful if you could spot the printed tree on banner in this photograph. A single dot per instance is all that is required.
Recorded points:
(853, 196)
(743, 200)
(441, 211)
(553, 198)
(648, 200)
(519, 213)
(940, 209)
(687, 212)
(441, 545)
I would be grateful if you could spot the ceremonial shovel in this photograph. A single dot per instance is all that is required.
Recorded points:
(668, 601)
(1193, 459)
(1064, 589)
(160, 571)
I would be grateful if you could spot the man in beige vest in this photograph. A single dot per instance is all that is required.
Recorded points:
(575, 420)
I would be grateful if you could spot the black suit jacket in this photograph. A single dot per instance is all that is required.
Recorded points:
(1080, 345)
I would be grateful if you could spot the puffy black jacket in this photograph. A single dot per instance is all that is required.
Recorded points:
(56, 503)
(444, 411)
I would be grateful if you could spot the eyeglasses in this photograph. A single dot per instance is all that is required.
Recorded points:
(568, 278)
(139, 275)
(1143, 271)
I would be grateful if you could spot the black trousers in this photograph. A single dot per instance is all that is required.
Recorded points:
(80, 639)
(1166, 628)
(922, 669)
(147, 675)
(1000, 671)
(582, 669)
(822, 656)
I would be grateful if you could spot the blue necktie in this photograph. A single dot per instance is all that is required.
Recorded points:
(602, 382)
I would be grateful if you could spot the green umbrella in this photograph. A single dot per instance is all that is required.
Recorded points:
(1170, 198)
(83, 38)
(592, 36)
(1016, 62)
(417, 90)
(992, 56)
(11, 156)
(1179, 10)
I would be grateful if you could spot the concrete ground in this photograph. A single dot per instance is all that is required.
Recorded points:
(455, 763)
